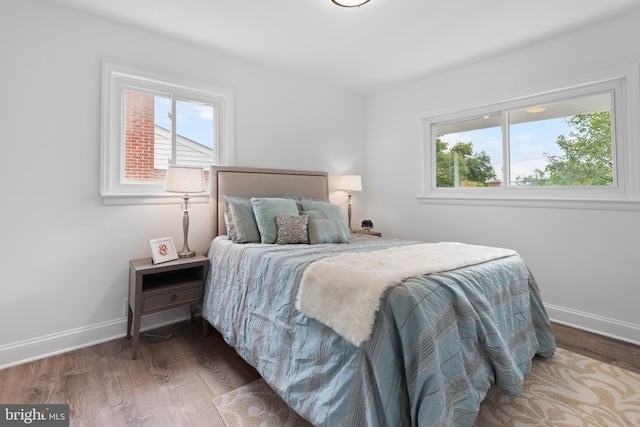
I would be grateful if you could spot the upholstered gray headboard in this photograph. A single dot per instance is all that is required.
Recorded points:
(257, 182)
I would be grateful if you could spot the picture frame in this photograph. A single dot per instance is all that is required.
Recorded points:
(162, 250)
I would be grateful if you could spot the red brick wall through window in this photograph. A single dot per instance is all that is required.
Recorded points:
(139, 138)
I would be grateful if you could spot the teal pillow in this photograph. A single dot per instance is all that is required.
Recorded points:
(266, 210)
(325, 211)
(298, 199)
(326, 231)
(241, 222)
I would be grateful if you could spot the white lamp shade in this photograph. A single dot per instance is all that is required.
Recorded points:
(351, 182)
(184, 179)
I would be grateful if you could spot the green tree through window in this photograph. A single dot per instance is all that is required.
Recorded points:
(459, 166)
(586, 159)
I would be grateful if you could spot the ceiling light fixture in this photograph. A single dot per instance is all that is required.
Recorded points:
(538, 109)
(350, 3)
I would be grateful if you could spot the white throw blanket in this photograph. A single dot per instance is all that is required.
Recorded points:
(344, 291)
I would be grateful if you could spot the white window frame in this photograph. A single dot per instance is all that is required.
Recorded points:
(115, 79)
(624, 194)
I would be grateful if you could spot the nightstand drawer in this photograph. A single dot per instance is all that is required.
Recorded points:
(173, 297)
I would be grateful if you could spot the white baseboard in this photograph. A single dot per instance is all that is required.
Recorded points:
(612, 328)
(62, 342)
(49, 345)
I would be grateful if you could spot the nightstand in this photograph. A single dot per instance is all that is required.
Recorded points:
(160, 287)
(368, 233)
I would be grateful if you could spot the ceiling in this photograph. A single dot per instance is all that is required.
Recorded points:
(380, 45)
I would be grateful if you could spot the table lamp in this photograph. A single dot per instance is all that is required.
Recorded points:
(185, 179)
(350, 183)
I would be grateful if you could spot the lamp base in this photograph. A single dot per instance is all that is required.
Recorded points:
(186, 254)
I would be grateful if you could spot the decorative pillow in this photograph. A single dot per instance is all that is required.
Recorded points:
(292, 230)
(320, 214)
(266, 210)
(298, 199)
(327, 210)
(227, 223)
(327, 231)
(227, 217)
(242, 227)
(323, 200)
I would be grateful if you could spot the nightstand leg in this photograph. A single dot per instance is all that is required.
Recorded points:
(136, 334)
(129, 321)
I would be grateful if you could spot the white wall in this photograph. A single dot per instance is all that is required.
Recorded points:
(64, 256)
(63, 261)
(584, 261)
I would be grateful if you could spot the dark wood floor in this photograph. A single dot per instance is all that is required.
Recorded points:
(172, 382)
(178, 373)
(608, 350)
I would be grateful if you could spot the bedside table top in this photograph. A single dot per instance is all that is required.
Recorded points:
(147, 263)
(368, 232)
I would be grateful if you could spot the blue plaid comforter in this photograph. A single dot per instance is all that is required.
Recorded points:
(439, 342)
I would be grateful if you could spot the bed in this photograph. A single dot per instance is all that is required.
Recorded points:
(437, 341)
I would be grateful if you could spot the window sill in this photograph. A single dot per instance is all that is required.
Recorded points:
(533, 202)
(151, 199)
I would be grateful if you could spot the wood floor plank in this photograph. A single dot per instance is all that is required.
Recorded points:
(604, 349)
(178, 373)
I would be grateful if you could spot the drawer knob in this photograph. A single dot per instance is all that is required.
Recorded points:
(174, 297)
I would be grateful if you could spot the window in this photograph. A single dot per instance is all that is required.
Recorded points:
(566, 147)
(149, 123)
